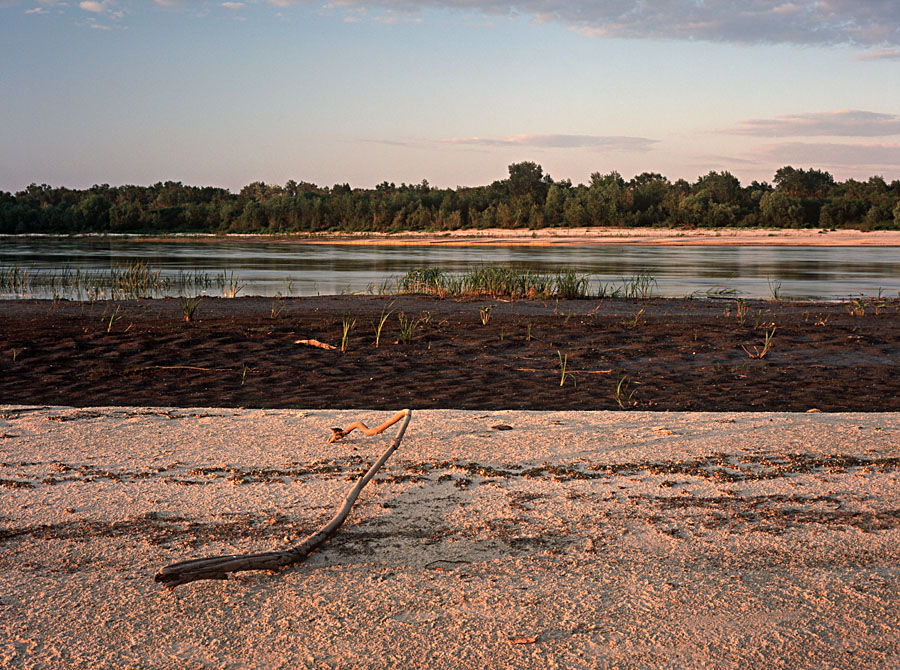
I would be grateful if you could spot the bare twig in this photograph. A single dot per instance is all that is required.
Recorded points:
(219, 567)
(338, 434)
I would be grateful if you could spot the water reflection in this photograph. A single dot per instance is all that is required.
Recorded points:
(269, 268)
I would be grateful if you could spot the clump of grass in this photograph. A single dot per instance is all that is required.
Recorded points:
(132, 280)
(494, 281)
(428, 280)
(385, 313)
(774, 288)
(347, 328)
(571, 285)
(767, 345)
(408, 327)
(189, 307)
(857, 307)
(624, 393)
(639, 286)
(485, 313)
(231, 285)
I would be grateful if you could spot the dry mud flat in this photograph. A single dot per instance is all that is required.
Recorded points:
(501, 539)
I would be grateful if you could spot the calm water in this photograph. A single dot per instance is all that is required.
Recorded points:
(269, 268)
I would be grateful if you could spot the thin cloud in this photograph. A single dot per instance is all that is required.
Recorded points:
(233, 6)
(867, 23)
(880, 54)
(841, 123)
(849, 156)
(556, 141)
(392, 143)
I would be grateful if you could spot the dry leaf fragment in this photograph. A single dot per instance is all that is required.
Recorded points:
(522, 639)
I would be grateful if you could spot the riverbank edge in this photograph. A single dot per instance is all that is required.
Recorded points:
(595, 236)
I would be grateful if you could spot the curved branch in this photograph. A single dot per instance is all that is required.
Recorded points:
(219, 567)
(338, 434)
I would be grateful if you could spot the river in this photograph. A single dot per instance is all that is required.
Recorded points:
(269, 268)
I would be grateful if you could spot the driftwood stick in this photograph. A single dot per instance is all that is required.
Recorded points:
(218, 567)
(317, 344)
(337, 433)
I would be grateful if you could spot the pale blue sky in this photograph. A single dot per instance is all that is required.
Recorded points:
(452, 91)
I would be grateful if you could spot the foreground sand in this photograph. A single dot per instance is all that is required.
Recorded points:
(568, 539)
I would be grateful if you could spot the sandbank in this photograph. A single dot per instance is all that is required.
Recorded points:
(624, 236)
(497, 539)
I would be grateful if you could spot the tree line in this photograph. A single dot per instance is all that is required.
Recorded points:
(527, 198)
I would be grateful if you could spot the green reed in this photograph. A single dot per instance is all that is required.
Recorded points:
(136, 279)
(494, 281)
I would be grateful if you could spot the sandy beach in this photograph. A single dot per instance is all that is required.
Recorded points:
(502, 539)
(807, 237)
(815, 237)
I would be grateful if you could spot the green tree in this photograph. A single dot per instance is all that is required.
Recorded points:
(527, 179)
(780, 210)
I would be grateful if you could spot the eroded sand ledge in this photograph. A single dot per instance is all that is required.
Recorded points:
(626, 540)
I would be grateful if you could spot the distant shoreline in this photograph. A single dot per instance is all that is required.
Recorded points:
(812, 237)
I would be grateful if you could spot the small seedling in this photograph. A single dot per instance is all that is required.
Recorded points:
(348, 325)
(624, 393)
(563, 362)
(277, 306)
(741, 311)
(485, 313)
(115, 316)
(637, 319)
(244, 374)
(857, 307)
(385, 313)
(528, 333)
(407, 328)
(774, 289)
(189, 307)
(767, 344)
(15, 353)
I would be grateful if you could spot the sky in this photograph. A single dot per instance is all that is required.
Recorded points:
(450, 91)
